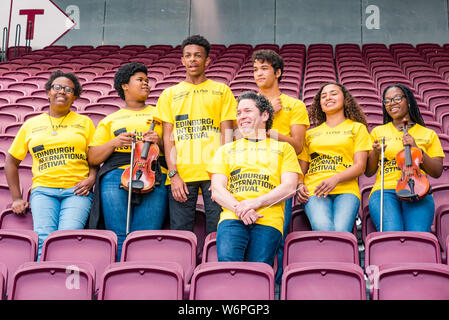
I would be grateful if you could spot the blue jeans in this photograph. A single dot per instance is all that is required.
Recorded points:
(254, 243)
(400, 215)
(336, 212)
(58, 209)
(149, 215)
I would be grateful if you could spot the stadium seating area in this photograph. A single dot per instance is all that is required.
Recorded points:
(317, 265)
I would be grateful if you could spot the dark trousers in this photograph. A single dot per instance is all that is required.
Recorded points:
(182, 214)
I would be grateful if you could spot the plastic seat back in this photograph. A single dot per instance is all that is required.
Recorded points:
(232, 281)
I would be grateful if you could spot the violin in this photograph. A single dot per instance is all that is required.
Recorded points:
(413, 185)
(144, 156)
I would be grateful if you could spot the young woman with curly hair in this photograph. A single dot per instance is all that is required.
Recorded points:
(111, 146)
(334, 155)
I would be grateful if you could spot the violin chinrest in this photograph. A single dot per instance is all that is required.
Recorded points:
(405, 194)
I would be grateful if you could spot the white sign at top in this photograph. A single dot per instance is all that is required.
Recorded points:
(46, 23)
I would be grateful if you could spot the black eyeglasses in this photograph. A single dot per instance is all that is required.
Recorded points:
(58, 88)
(395, 99)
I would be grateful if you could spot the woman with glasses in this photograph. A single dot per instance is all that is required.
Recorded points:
(334, 155)
(62, 178)
(398, 104)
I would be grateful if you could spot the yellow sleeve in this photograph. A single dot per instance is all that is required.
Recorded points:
(299, 114)
(435, 149)
(304, 155)
(91, 131)
(362, 141)
(163, 107)
(19, 146)
(229, 105)
(102, 134)
(290, 162)
(219, 163)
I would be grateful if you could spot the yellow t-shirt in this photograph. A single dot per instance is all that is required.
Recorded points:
(425, 138)
(59, 161)
(196, 112)
(125, 120)
(254, 168)
(331, 150)
(293, 112)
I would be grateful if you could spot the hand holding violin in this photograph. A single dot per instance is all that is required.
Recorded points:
(123, 140)
(408, 140)
(150, 136)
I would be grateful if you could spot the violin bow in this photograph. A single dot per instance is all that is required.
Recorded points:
(130, 185)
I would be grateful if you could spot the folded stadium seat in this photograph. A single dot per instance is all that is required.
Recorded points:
(109, 79)
(115, 100)
(18, 75)
(3, 280)
(91, 94)
(53, 280)
(12, 128)
(83, 47)
(19, 109)
(105, 108)
(401, 247)
(442, 229)
(232, 281)
(2, 157)
(88, 75)
(6, 140)
(97, 69)
(95, 116)
(98, 247)
(417, 281)
(75, 65)
(323, 281)
(435, 102)
(12, 95)
(37, 102)
(16, 248)
(103, 87)
(163, 245)
(164, 84)
(45, 74)
(270, 46)
(428, 93)
(39, 81)
(209, 253)
(30, 70)
(320, 246)
(11, 221)
(6, 119)
(142, 280)
(5, 197)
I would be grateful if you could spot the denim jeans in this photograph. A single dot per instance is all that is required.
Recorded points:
(336, 212)
(57, 209)
(400, 215)
(239, 242)
(148, 215)
(182, 214)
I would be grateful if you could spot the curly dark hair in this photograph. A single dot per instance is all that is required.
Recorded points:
(125, 72)
(262, 103)
(198, 40)
(351, 107)
(270, 56)
(413, 108)
(72, 77)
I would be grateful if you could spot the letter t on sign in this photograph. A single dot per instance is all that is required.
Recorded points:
(31, 15)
